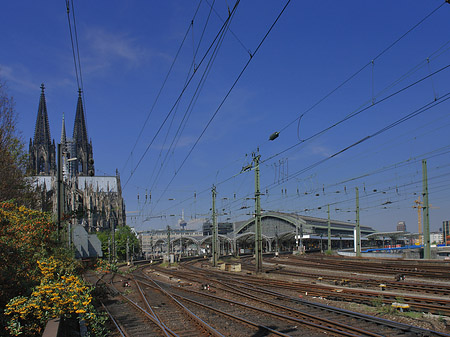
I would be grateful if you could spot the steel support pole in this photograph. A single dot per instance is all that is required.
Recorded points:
(329, 229)
(60, 196)
(215, 253)
(113, 236)
(168, 244)
(128, 250)
(258, 236)
(358, 228)
(426, 213)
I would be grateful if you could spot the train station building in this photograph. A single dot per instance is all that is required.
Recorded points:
(280, 232)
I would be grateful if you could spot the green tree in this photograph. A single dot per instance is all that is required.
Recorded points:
(122, 234)
(13, 185)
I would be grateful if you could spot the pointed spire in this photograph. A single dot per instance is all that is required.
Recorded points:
(42, 128)
(63, 132)
(79, 129)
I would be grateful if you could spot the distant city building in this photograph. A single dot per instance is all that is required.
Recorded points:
(95, 202)
(155, 241)
(436, 237)
(401, 226)
(223, 228)
(446, 232)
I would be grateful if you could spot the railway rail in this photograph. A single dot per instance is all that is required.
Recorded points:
(307, 313)
(436, 305)
(174, 302)
(281, 266)
(410, 268)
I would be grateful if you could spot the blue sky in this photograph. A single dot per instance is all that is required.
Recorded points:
(127, 49)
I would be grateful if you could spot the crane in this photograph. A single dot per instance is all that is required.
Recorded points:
(418, 205)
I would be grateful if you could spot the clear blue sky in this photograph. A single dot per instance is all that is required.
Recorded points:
(127, 48)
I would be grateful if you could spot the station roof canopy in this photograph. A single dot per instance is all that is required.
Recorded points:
(278, 224)
(389, 234)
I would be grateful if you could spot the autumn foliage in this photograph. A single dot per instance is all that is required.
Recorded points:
(25, 235)
(40, 281)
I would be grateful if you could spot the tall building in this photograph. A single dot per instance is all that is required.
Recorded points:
(95, 202)
(446, 232)
(401, 226)
(42, 159)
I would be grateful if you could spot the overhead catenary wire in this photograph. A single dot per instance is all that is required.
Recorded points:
(199, 87)
(72, 43)
(228, 93)
(160, 89)
(189, 109)
(356, 113)
(179, 98)
(76, 56)
(230, 178)
(415, 113)
(363, 67)
(348, 116)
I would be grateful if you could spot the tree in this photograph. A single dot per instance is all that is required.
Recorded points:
(121, 235)
(13, 158)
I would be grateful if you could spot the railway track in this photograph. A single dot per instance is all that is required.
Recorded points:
(343, 322)
(436, 305)
(426, 269)
(128, 318)
(227, 316)
(281, 265)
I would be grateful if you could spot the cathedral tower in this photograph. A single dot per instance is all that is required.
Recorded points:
(42, 149)
(82, 147)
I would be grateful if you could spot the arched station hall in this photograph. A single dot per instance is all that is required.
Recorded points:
(280, 232)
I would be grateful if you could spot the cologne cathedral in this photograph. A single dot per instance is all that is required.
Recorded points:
(95, 202)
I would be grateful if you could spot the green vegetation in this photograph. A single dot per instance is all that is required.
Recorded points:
(122, 234)
(13, 185)
(40, 279)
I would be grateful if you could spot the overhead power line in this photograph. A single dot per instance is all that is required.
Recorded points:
(226, 96)
(180, 95)
(362, 68)
(161, 89)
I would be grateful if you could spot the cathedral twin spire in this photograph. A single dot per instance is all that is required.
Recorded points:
(42, 149)
(42, 128)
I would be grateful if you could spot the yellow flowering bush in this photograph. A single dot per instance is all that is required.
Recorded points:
(103, 266)
(59, 294)
(25, 234)
(39, 279)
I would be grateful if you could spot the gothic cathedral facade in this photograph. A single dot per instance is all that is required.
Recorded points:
(93, 201)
